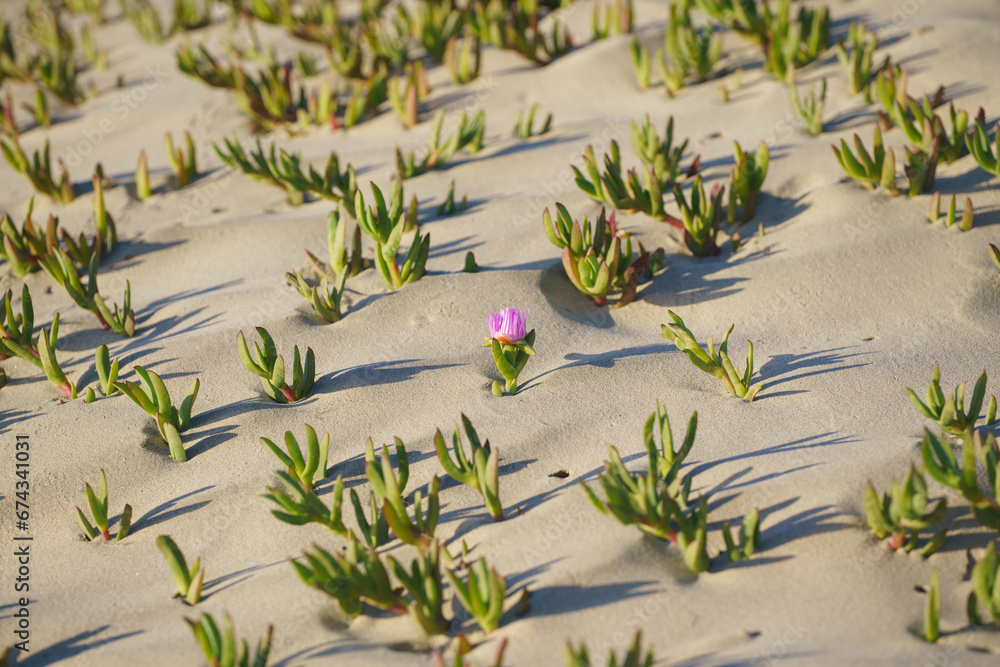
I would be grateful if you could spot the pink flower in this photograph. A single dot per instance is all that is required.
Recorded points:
(507, 326)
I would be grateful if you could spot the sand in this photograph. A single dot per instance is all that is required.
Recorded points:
(849, 297)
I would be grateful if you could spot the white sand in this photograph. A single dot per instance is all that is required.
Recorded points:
(849, 299)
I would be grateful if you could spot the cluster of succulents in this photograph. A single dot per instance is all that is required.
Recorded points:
(220, 648)
(189, 579)
(154, 399)
(97, 501)
(270, 367)
(512, 344)
(51, 61)
(659, 503)
(468, 135)
(618, 17)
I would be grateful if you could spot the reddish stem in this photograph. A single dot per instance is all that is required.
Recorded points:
(287, 391)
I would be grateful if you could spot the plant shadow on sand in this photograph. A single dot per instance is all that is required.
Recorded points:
(219, 583)
(783, 368)
(168, 510)
(375, 373)
(74, 646)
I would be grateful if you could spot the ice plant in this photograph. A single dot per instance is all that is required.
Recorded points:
(38, 171)
(468, 135)
(978, 142)
(98, 503)
(340, 258)
(870, 170)
(386, 225)
(859, 63)
(188, 579)
(270, 367)
(524, 124)
(325, 299)
(749, 537)
(995, 254)
(618, 16)
(627, 193)
(716, 364)
(664, 461)
(921, 168)
(437, 658)
(965, 223)
(354, 577)
(691, 50)
(463, 56)
(23, 249)
(700, 218)
(154, 399)
(932, 610)
(122, 320)
(309, 467)
(183, 161)
(944, 466)
(644, 500)
(374, 530)
(745, 182)
(107, 370)
(640, 64)
(298, 504)
(949, 412)
(423, 583)
(660, 154)
(479, 469)
(985, 589)
(221, 650)
(511, 345)
(903, 512)
(482, 593)
(810, 108)
(389, 488)
(578, 657)
(448, 206)
(594, 259)
(16, 340)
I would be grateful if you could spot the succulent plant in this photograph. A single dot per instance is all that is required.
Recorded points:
(578, 657)
(423, 583)
(142, 188)
(517, 27)
(700, 219)
(298, 504)
(661, 155)
(188, 579)
(468, 135)
(942, 465)
(745, 182)
(202, 65)
(641, 64)
(524, 124)
(482, 593)
(995, 254)
(284, 170)
(903, 512)
(463, 56)
(146, 20)
(324, 298)
(921, 168)
(183, 162)
(932, 610)
(625, 194)
(664, 461)
(354, 577)
(749, 537)
(39, 110)
(717, 364)
(221, 650)
(420, 530)
(470, 263)
(98, 503)
(511, 345)
(618, 17)
(309, 467)
(479, 470)
(978, 143)
(270, 367)
(870, 170)
(859, 63)
(448, 206)
(374, 530)
(385, 226)
(644, 500)
(593, 258)
(24, 248)
(61, 268)
(38, 170)
(985, 589)
(189, 15)
(790, 43)
(16, 340)
(925, 129)
(810, 108)
(107, 371)
(437, 658)
(967, 219)
(691, 50)
(340, 258)
(406, 91)
(949, 412)
(434, 25)
(154, 399)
